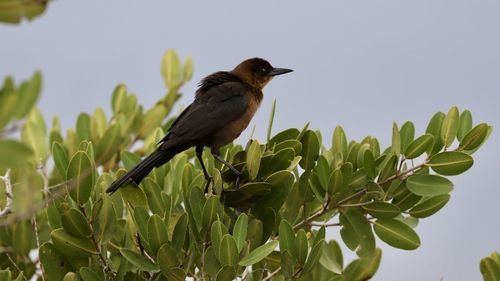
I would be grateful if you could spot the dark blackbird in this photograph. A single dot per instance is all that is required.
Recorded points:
(225, 103)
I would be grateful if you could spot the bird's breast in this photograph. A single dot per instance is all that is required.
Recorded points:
(233, 130)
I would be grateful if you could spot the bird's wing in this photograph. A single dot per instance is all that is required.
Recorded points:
(210, 111)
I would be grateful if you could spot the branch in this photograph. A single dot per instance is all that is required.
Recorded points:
(404, 173)
(274, 273)
(8, 194)
(35, 226)
(312, 217)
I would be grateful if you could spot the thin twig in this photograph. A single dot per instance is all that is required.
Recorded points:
(274, 273)
(8, 194)
(35, 226)
(312, 217)
(324, 224)
(404, 174)
(15, 266)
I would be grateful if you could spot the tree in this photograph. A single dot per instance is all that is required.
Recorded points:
(58, 223)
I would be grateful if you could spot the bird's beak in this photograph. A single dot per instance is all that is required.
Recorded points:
(279, 71)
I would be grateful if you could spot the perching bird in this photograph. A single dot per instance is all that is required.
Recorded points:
(225, 103)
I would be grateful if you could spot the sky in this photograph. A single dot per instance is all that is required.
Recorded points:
(358, 64)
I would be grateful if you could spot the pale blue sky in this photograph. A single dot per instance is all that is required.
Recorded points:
(359, 64)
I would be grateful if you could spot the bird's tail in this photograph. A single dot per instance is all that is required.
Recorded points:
(136, 174)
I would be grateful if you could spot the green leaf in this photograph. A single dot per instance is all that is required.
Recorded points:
(80, 176)
(430, 206)
(240, 231)
(450, 163)
(332, 258)
(419, 146)
(133, 195)
(88, 274)
(396, 139)
(180, 231)
(83, 126)
(141, 262)
(71, 246)
(362, 230)
(226, 273)
(474, 138)
(167, 259)
(464, 124)
(60, 155)
(54, 263)
(22, 237)
(407, 135)
(29, 92)
(129, 159)
(364, 268)
(259, 253)
(211, 210)
(75, 223)
(286, 237)
(228, 251)
(339, 142)
(382, 210)
(301, 247)
(449, 128)
(157, 233)
(336, 186)
(253, 159)
(71, 276)
(490, 269)
(310, 150)
(171, 69)
(429, 185)
(217, 232)
(109, 144)
(16, 10)
(396, 234)
(14, 154)
(271, 121)
(434, 128)
(33, 135)
(314, 256)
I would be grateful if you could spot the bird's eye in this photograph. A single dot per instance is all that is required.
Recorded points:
(263, 70)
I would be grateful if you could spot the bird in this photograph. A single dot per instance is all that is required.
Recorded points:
(224, 104)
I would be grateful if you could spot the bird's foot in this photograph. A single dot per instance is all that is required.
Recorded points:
(209, 180)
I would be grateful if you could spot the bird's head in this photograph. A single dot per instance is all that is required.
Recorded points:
(258, 72)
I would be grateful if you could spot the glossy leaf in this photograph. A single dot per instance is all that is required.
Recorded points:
(211, 210)
(310, 150)
(240, 231)
(314, 256)
(464, 124)
(332, 258)
(449, 128)
(75, 223)
(396, 139)
(228, 251)
(430, 206)
(364, 268)
(71, 246)
(141, 262)
(157, 233)
(475, 137)
(286, 237)
(253, 159)
(419, 146)
(450, 163)
(301, 247)
(80, 176)
(382, 210)
(429, 185)
(407, 135)
(434, 128)
(354, 219)
(396, 234)
(167, 259)
(14, 154)
(61, 160)
(259, 253)
(54, 263)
